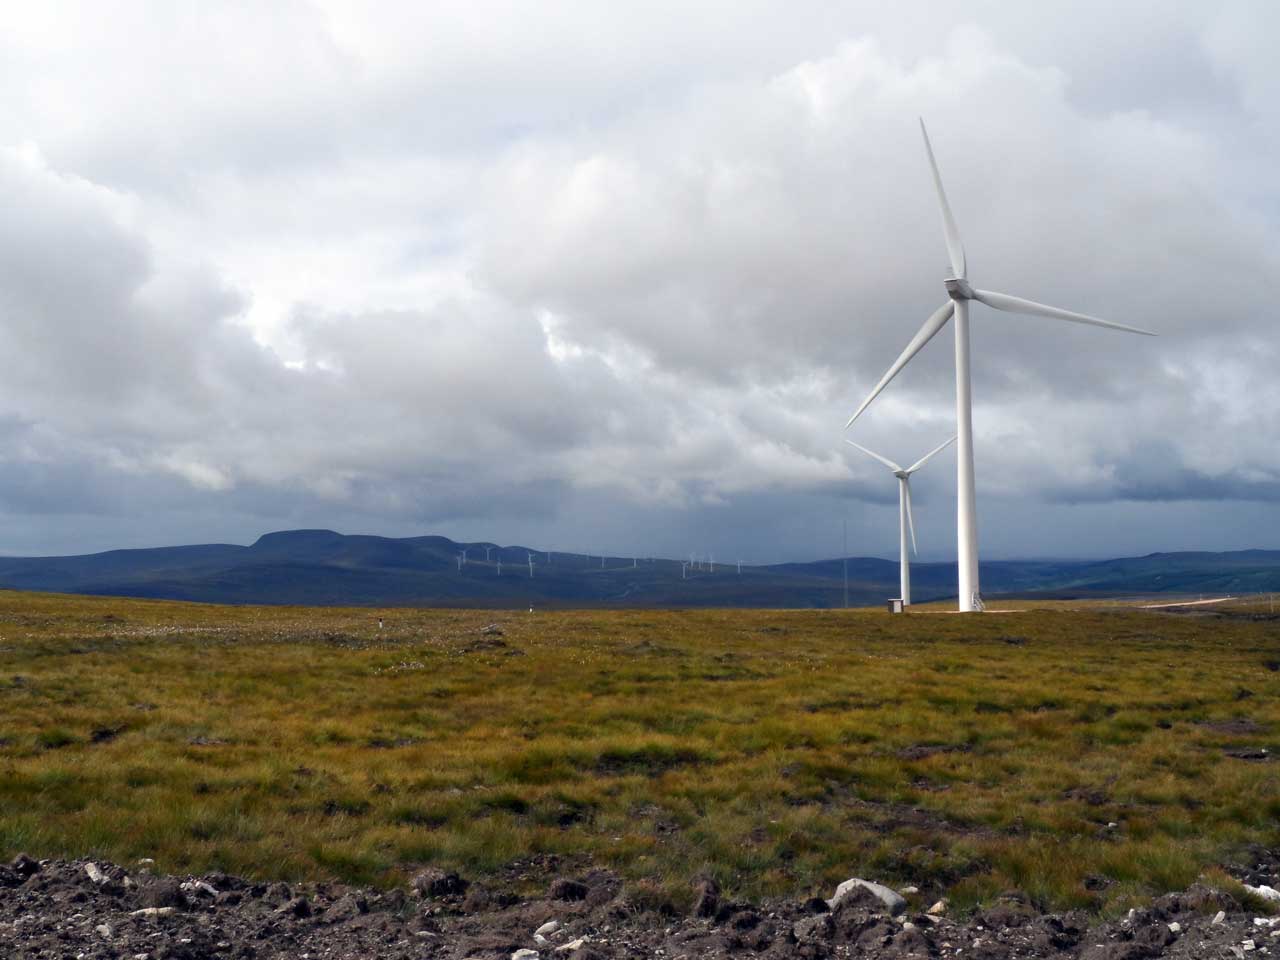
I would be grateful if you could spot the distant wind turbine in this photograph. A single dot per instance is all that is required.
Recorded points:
(905, 520)
(960, 293)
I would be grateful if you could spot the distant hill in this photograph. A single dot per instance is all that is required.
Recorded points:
(327, 568)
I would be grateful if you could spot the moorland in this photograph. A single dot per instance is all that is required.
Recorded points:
(1093, 758)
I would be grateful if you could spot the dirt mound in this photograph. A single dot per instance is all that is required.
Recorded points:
(97, 911)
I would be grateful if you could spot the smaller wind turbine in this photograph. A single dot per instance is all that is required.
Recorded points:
(486, 554)
(531, 566)
(905, 521)
(499, 564)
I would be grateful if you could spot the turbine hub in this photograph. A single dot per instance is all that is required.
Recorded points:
(958, 288)
(901, 474)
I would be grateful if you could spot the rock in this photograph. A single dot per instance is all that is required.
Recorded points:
(95, 873)
(103, 930)
(151, 913)
(346, 908)
(492, 630)
(439, 883)
(1175, 927)
(909, 891)
(547, 929)
(200, 887)
(565, 889)
(1218, 918)
(706, 898)
(1264, 891)
(912, 941)
(166, 892)
(813, 928)
(524, 953)
(24, 866)
(892, 901)
(815, 905)
(938, 909)
(571, 946)
(298, 907)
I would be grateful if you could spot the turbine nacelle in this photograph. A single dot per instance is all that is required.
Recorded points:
(958, 289)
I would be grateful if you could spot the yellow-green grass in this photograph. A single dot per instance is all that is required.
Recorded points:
(780, 752)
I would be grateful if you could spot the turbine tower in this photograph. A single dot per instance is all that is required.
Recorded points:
(959, 294)
(905, 520)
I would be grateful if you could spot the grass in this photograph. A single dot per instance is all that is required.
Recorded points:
(1082, 757)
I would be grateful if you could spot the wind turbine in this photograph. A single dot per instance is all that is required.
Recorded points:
(905, 520)
(959, 293)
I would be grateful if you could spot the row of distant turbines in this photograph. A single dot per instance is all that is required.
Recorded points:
(695, 562)
(959, 295)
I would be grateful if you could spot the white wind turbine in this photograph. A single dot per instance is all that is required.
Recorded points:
(959, 293)
(905, 521)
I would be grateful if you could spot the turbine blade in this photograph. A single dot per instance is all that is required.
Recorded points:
(925, 459)
(1003, 301)
(871, 453)
(954, 248)
(926, 333)
(911, 523)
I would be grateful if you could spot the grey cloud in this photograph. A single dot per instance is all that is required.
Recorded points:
(626, 275)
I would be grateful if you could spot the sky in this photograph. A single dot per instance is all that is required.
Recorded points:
(612, 277)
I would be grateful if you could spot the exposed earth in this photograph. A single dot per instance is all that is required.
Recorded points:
(86, 909)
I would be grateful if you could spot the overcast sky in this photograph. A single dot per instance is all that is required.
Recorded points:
(612, 276)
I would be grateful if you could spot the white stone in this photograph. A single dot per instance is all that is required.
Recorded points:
(890, 898)
(1175, 927)
(95, 874)
(1267, 893)
(1218, 918)
(547, 929)
(154, 912)
(572, 945)
(524, 953)
(103, 930)
(908, 891)
(938, 909)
